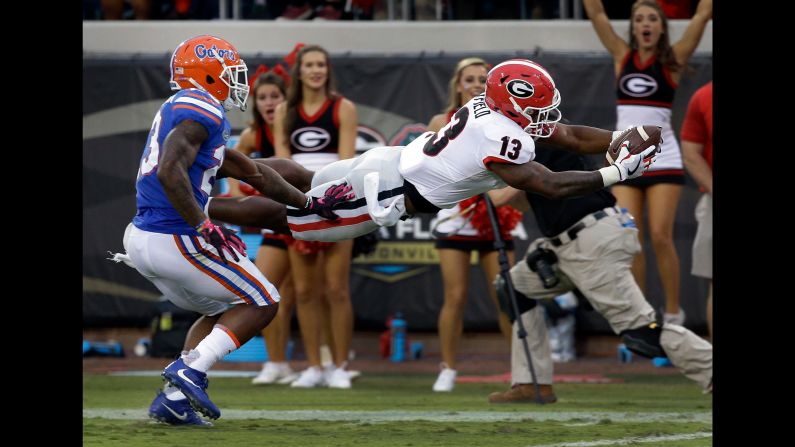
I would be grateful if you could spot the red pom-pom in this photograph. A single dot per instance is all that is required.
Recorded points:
(508, 217)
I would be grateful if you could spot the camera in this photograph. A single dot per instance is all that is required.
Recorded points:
(540, 261)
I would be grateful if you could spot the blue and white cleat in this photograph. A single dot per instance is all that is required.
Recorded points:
(192, 383)
(174, 412)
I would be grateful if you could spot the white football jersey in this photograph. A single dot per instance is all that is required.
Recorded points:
(452, 164)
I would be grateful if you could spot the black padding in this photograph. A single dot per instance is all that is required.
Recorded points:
(644, 341)
(421, 204)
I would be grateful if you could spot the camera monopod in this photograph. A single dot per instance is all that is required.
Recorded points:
(499, 245)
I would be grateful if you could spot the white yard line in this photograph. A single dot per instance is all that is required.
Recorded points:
(436, 416)
(631, 440)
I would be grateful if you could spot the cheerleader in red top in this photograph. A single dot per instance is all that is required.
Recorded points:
(462, 229)
(648, 70)
(314, 127)
(256, 141)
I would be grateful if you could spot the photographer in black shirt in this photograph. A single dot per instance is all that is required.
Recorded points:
(588, 244)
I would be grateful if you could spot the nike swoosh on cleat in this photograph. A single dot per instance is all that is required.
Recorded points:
(182, 375)
(629, 172)
(181, 417)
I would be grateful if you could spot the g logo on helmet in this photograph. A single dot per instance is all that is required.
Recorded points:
(520, 88)
(310, 139)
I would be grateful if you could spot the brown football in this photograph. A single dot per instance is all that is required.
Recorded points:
(636, 140)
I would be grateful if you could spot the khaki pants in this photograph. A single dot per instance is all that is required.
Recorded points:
(598, 263)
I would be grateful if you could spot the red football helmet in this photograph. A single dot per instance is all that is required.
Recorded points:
(524, 91)
(213, 65)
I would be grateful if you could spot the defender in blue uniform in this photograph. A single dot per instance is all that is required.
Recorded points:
(173, 243)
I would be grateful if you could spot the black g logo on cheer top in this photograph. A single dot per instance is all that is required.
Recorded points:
(637, 85)
(520, 88)
(310, 139)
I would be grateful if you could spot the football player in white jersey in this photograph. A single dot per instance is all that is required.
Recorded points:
(173, 243)
(488, 144)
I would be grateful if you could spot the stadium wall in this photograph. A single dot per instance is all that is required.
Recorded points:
(395, 96)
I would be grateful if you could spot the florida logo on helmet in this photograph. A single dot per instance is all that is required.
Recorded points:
(202, 52)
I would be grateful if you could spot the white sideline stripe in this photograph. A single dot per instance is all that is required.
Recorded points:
(631, 440)
(435, 416)
(156, 373)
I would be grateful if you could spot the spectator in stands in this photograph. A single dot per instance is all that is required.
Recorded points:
(316, 10)
(457, 236)
(648, 69)
(113, 9)
(317, 126)
(697, 149)
(677, 9)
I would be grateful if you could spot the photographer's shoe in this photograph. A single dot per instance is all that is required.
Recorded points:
(174, 412)
(523, 393)
(192, 383)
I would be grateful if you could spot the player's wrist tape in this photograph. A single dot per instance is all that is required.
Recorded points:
(308, 202)
(610, 175)
(206, 223)
(615, 135)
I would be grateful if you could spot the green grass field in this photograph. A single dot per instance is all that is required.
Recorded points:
(401, 410)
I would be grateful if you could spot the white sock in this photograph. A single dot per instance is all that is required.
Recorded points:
(172, 392)
(220, 342)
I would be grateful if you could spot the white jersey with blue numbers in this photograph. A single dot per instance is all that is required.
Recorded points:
(155, 212)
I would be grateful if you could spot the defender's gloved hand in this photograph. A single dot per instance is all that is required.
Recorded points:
(332, 198)
(221, 238)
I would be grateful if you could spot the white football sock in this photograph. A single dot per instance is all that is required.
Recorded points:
(220, 342)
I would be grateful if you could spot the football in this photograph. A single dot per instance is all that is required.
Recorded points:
(638, 138)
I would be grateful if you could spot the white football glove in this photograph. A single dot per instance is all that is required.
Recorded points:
(615, 135)
(629, 165)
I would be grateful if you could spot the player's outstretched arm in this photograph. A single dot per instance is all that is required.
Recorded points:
(267, 181)
(580, 139)
(536, 178)
(292, 172)
(177, 155)
(262, 178)
(250, 211)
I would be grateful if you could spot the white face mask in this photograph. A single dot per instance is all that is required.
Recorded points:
(544, 124)
(236, 78)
